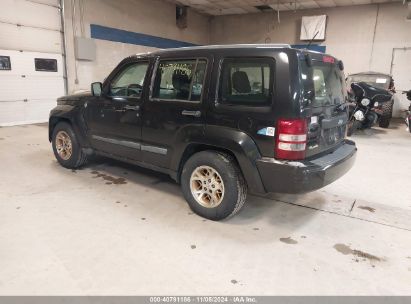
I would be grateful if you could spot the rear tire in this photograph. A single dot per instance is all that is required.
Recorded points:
(386, 115)
(66, 147)
(213, 185)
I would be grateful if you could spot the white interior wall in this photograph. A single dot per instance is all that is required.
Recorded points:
(349, 36)
(152, 17)
(362, 36)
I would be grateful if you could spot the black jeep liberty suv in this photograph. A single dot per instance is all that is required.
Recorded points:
(220, 120)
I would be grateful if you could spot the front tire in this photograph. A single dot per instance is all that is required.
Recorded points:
(213, 185)
(66, 147)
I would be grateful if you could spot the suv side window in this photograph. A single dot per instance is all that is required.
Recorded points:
(246, 81)
(179, 80)
(129, 81)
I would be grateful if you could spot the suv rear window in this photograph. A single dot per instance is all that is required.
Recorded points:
(327, 81)
(246, 81)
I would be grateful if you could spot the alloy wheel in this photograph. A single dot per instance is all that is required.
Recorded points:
(64, 145)
(207, 186)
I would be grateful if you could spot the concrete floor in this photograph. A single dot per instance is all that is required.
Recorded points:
(115, 229)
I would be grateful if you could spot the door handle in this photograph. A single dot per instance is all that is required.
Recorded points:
(191, 113)
(131, 108)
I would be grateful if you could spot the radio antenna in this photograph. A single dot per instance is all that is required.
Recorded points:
(312, 39)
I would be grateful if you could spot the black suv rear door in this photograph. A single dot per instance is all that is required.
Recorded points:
(325, 103)
(174, 110)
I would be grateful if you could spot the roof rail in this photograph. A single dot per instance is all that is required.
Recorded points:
(220, 46)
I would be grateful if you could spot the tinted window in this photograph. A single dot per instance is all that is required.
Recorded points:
(45, 65)
(129, 82)
(328, 83)
(246, 81)
(5, 63)
(180, 79)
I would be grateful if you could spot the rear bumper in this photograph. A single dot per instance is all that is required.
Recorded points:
(305, 176)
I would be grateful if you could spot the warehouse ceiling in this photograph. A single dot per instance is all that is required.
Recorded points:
(230, 7)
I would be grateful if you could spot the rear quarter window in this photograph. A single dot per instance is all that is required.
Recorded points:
(246, 81)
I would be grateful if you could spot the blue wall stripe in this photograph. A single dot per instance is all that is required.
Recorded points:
(117, 35)
(313, 47)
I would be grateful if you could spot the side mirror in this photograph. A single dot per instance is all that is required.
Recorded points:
(96, 88)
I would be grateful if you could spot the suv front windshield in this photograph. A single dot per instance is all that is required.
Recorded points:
(324, 83)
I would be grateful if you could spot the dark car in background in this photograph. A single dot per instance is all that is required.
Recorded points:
(384, 102)
(220, 120)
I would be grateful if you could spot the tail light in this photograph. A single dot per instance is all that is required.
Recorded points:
(291, 139)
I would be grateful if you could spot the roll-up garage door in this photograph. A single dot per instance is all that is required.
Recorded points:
(31, 61)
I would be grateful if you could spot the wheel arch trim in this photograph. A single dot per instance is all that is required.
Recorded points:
(234, 142)
(69, 114)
